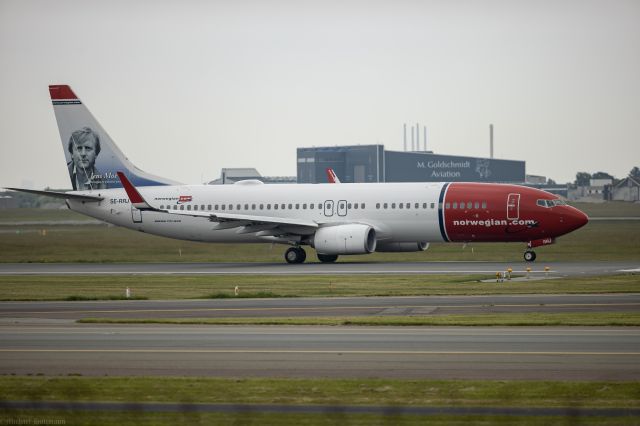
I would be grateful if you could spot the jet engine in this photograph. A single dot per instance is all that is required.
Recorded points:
(345, 239)
(401, 247)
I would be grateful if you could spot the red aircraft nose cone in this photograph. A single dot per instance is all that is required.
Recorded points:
(576, 219)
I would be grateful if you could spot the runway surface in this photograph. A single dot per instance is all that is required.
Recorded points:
(27, 312)
(437, 353)
(459, 268)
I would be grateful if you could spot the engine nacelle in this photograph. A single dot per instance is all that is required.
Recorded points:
(401, 247)
(345, 239)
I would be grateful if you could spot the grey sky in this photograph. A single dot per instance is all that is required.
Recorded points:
(188, 87)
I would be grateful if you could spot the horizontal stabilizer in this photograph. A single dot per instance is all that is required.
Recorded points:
(57, 194)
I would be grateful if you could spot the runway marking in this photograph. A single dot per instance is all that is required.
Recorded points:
(322, 308)
(342, 352)
(288, 272)
(248, 329)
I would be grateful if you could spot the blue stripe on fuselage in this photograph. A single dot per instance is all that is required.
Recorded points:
(441, 213)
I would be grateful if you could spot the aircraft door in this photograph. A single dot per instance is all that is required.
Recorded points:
(342, 208)
(136, 215)
(328, 208)
(513, 206)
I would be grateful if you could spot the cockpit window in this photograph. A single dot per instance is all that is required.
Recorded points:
(551, 203)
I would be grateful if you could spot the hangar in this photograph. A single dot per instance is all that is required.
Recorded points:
(372, 163)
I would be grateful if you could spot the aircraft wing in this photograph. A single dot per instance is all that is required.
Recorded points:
(229, 217)
(57, 194)
(249, 223)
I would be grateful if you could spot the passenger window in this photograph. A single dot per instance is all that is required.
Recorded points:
(189, 207)
(393, 205)
(161, 206)
(268, 206)
(385, 205)
(216, 207)
(238, 207)
(355, 206)
(348, 205)
(195, 207)
(297, 206)
(400, 205)
(484, 204)
(261, 206)
(290, 207)
(469, 205)
(209, 207)
(175, 207)
(246, 206)
(311, 206)
(304, 206)
(408, 205)
(417, 206)
(361, 206)
(275, 207)
(476, 205)
(446, 206)
(182, 207)
(455, 204)
(283, 206)
(377, 205)
(224, 206)
(433, 205)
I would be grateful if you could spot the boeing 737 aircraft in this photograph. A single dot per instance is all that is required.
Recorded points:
(344, 219)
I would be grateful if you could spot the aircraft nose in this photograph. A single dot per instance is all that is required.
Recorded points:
(576, 218)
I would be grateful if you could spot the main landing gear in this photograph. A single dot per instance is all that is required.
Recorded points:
(529, 255)
(295, 255)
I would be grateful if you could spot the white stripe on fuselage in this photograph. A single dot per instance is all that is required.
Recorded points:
(391, 224)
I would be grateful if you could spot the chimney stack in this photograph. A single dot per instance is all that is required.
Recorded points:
(405, 137)
(491, 141)
(424, 129)
(413, 139)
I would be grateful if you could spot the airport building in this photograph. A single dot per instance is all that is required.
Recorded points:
(372, 163)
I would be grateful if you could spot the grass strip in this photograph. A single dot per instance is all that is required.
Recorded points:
(323, 391)
(601, 319)
(597, 241)
(139, 418)
(46, 287)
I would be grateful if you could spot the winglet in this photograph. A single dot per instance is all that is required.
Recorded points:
(61, 92)
(134, 196)
(331, 176)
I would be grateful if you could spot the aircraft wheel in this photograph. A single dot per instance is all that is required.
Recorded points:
(529, 255)
(295, 255)
(327, 258)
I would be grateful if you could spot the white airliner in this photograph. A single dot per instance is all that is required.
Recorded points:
(344, 219)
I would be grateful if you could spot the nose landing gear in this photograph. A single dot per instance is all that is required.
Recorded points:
(295, 255)
(529, 255)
